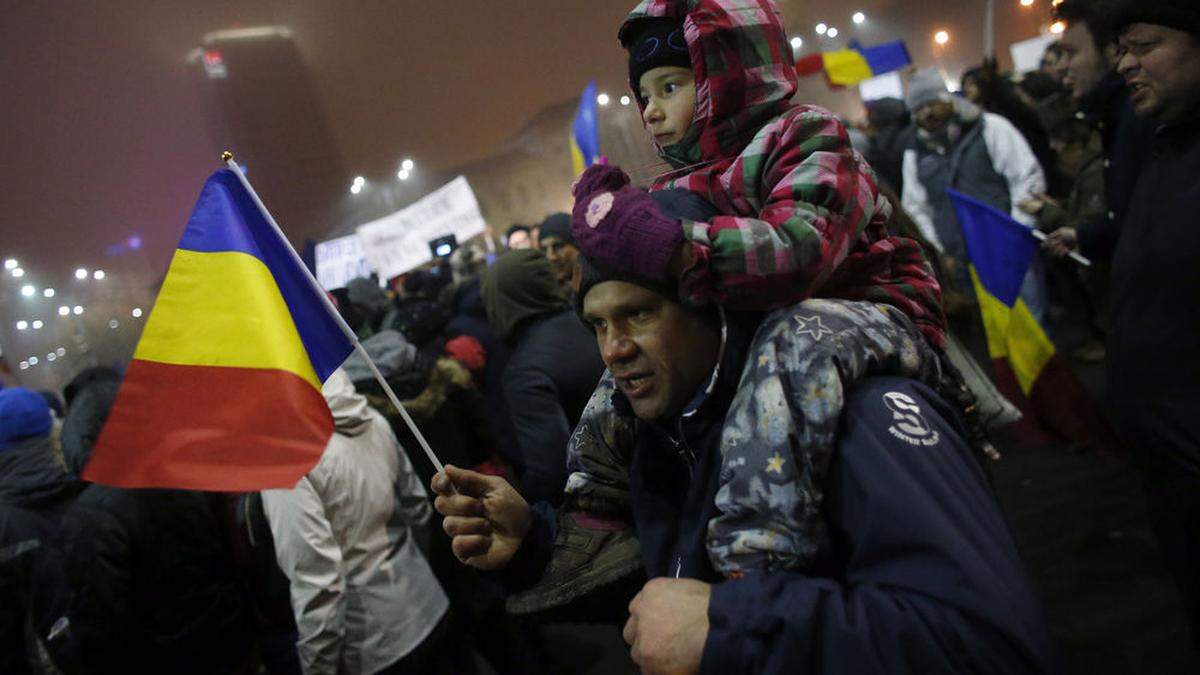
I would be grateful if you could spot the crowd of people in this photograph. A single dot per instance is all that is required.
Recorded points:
(719, 414)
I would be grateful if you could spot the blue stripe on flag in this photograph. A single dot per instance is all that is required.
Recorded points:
(1000, 248)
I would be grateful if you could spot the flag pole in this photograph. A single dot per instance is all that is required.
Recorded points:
(1073, 255)
(227, 157)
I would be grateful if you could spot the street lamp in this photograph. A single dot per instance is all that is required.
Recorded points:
(832, 32)
(22, 325)
(403, 174)
(78, 310)
(98, 275)
(17, 272)
(625, 100)
(137, 312)
(821, 29)
(28, 290)
(797, 43)
(48, 293)
(37, 325)
(33, 360)
(81, 274)
(407, 165)
(64, 310)
(942, 38)
(10, 264)
(860, 18)
(602, 99)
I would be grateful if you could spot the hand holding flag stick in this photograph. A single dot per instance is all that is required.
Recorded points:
(227, 157)
(1073, 255)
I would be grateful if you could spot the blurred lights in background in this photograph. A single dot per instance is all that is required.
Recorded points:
(1058, 27)
(48, 293)
(832, 32)
(22, 325)
(64, 310)
(137, 312)
(625, 100)
(78, 310)
(81, 273)
(28, 291)
(17, 272)
(98, 275)
(10, 264)
(859, 18)
(797, 43)
(37, 325)
(602, 99)
(941, 37)
(822, 29)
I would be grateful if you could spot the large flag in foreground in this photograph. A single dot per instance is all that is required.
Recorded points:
(585, 137)
(1029, 370)
(224, 391)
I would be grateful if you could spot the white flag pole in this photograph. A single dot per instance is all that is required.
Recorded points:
(1073, 255)
(227, 157)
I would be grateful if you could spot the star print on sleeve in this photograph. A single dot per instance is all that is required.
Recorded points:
(776, 464)
(813, 326)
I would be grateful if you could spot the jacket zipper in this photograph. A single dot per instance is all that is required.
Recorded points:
(689, 461)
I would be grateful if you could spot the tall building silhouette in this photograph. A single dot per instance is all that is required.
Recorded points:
(262, 104)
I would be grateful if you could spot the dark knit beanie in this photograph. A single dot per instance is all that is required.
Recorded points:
(1181, 15)
(674, 203)
(557, 226)
(655, 43)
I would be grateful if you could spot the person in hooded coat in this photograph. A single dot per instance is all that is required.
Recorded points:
(890, 127)
(553, 369)
(346, 536)
(34, 493)
(155, 588)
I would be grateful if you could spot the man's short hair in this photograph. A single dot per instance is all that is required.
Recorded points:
(1095, 14)
(517, 228)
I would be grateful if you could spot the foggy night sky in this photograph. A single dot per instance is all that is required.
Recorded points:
(103, 135)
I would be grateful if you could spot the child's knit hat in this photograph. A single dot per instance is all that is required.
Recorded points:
(655, 43)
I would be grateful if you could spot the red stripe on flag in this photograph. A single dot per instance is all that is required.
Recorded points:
(210, 428)
(1058, 409)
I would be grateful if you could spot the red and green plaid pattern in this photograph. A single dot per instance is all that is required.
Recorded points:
(806, 218)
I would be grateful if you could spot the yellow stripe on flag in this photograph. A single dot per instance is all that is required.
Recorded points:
(577, 166)
(846, 67)
(223, 309)
(1014, 334)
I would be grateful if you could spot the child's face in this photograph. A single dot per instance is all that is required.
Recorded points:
(670, 96)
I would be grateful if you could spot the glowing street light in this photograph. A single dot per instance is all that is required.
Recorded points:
(797, 43)
(48, 293)
(113, 324)
(28, 290)
(1027, 3)
(602, 99)
(37, 325)
(1058, 27)
(356, 188)
(78, 310)
(403, 174)
(821, 29)
(61, 351)
(98, 275)
(64, 311)
(81, 274)
(51, 356)
(942, 38)
(832, 32)
(407, 165)
(33, 360)
(10, 264)
(17, 272)
(137, 312)
(625, 100)
(24, 365)
(22, 325)
(860, 18)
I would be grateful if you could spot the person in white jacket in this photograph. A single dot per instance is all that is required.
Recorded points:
(979, 154)
(363, 594)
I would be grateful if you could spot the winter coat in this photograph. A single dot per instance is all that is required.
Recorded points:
(913, 569)
(549, 379)
(1085, 205)
(1153, 349)
(891, 126)
(1126, 139)
(984, 157)
(345, 536)
(155, 585)
(803, 216)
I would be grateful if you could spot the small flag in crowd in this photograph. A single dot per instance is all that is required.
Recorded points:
(1029, 370)
(846, 67)
(585, 138)
(224, 391)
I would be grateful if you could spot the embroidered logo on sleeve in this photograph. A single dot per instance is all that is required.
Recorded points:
(908, 424)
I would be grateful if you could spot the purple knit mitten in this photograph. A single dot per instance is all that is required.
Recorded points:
(620, 226)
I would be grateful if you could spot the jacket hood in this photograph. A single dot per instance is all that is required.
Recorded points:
(85, 419)
(30, 478)
(744, 69)
(349, 408)
(391, 352)
(23, 414)
(519, 287)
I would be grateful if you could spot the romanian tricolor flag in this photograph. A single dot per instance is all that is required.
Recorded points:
(846, 67)
(1029, 370)
(224, 391)
(585, 137)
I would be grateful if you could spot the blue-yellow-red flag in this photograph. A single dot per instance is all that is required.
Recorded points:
(846, 67)
(224, 391)
(1028, 368)
(585, 138)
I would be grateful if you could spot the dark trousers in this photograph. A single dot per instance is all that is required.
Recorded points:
(439, 654)
(1174, 503)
